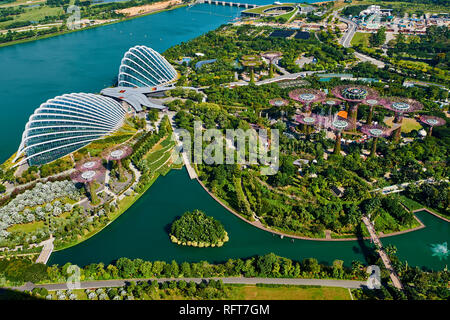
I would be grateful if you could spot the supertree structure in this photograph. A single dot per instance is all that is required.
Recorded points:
(307, 121)
(401, 106)
(307, 96)
(251, 61)
(354, 95)
(89, 164)
(372, 103)
(330, 102)
(87, 178)
(375, 131)
(339, 124)
(117, 153)
(278, 102)
(271, 55)
(432, 121)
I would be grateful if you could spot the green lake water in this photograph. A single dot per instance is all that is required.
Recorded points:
(88, 61)
(141, 232)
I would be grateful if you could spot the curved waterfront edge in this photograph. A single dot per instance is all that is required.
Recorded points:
(121, 212)
(259, 225)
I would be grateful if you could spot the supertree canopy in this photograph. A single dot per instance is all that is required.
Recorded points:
(117, 153)
(306, 120)
(87, 178)
(278, 102)
(372, 102)
(375, 131)
(89, 164)
(432, 121)
(307, 96)
(270, 55)
(401, 106)
(354, 95)
(339, 124)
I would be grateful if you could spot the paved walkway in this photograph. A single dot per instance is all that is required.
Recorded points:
(191, 171)
(46, 250)
(384, 257)
(352, 284)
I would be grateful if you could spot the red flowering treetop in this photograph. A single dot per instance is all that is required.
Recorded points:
(375, 130)
(354, 93)
(432, 121)
(307, 96)
(117, 153)
(87, 176)
(89, 164)
(403, 105)
(278, 102)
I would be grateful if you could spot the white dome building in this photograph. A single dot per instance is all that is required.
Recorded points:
(142, 66)
(65, 124)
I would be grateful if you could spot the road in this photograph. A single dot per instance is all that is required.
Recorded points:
(289, 76)
(351, 284)
(364, 58)
(348, 36)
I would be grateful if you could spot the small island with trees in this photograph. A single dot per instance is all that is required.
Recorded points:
(198, 230)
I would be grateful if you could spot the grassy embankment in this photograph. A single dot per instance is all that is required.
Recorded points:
(255, 292)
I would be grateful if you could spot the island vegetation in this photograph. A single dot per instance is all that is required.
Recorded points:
(196, 229)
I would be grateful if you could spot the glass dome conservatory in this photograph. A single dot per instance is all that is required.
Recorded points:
(67, 123)
(144, 67)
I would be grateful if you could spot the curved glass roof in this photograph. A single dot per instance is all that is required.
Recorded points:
(66, 123)
(142, 66)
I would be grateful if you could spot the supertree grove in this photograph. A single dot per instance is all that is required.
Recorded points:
(339, 124)
(87, 178)
(401, 106)
(117, 153)
(307, 121)
(354, 95)
(432, 122)
(374, 131)
(307, 96)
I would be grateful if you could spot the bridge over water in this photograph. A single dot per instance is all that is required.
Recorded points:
(228, 3)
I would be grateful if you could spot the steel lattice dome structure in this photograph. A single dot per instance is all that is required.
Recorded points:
(142, 66)
(67, 123)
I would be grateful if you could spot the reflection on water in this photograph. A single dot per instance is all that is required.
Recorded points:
(440, 250)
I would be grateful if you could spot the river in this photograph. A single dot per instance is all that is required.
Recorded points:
(88, 61)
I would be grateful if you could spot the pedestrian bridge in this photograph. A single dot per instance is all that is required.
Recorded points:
(227, 3)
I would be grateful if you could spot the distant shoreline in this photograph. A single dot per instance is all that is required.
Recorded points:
(6, 44)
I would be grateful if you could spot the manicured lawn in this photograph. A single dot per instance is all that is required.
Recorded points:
(360, 38)
(27, 227)
(410, 204)
(34, 14)
(252, 292)
(408, 124)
